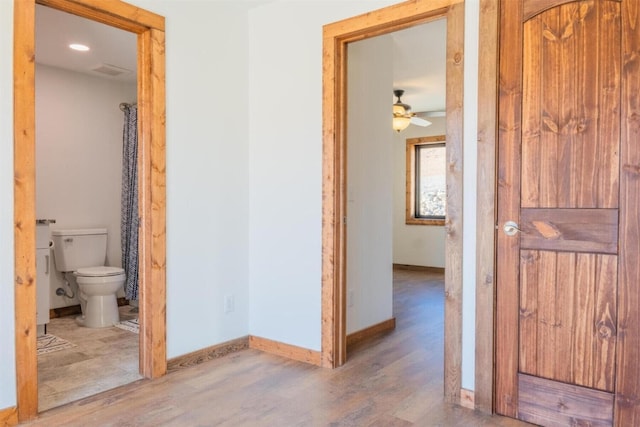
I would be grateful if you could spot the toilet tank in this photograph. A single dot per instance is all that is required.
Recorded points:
(78, 248)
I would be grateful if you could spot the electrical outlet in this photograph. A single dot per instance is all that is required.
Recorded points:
(229, 303)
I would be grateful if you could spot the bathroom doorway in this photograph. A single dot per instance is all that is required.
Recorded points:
(151, 135)
(79, 169)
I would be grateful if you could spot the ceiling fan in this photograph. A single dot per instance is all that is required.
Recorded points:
(402, 115)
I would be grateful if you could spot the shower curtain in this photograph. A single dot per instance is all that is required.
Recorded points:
(129, 209)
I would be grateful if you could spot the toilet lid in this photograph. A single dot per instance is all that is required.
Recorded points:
(99, 271)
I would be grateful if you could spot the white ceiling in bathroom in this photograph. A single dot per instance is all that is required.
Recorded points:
(111, 48)
(419, 54)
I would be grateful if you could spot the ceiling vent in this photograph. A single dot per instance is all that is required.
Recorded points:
(110, 70)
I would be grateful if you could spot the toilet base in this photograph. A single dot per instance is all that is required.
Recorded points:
(101, 311)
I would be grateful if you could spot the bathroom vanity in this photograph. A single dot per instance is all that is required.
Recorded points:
(43, 273)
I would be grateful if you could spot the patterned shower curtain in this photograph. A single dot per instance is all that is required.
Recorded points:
(129, 209)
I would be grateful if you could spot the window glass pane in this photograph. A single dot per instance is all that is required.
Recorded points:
(430, 181)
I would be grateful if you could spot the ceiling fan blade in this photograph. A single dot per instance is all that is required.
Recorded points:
(431, 113)
(420, 121)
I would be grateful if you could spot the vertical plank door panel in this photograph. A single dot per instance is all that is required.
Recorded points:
(529, 264)
(606, 313)
(565, 178)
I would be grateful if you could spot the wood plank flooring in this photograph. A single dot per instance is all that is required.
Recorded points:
(395, 379)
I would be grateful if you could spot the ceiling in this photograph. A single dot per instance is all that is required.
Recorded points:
(419, 58)
(419, 65)
(112, 49)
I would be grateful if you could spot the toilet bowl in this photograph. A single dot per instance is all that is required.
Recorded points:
(80, 254)
(98, 287)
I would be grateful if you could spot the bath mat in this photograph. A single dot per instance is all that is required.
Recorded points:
(49, 343)
(129, 325)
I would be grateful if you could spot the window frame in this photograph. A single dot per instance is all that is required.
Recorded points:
(410, 197)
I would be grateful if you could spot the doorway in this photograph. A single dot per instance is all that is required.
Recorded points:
(380, 236)
(336, 38)
(151, 135)
(79, 168)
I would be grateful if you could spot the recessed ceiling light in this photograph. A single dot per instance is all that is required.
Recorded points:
(79, 47)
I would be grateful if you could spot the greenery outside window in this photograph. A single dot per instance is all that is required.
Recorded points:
(426, 180)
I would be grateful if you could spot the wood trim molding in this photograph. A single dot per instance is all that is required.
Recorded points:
(336, 36)
(24, 208)
(122, 15)
(9, 416)
(453, 223)
(509, 142)
(386, 20)
(285, 350)
(373, 330)
(485, 206)
(151, 110)
(434, 139)
(467, 399)
(410, 179)
(206, 354)
(418, 268)
(152, 202)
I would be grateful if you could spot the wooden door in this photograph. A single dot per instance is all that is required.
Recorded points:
(567, 342)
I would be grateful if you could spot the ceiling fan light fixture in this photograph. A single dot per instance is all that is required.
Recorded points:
(399, 110)
(400, 123)
(402, 115)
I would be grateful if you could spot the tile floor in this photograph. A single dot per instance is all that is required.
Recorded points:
(103, 359)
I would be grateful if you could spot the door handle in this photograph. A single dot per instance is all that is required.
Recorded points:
(511, 228)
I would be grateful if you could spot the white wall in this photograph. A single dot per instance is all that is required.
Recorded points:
(285, 122)
(369, 183)
(7, 312)
(421, 245)
(207, 170)
(79, 156)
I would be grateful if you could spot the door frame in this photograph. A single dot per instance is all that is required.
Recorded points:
(486, 202)
(336, 37)
(152, 198)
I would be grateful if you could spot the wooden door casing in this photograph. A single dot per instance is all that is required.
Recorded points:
(569, 173)
(151, 136)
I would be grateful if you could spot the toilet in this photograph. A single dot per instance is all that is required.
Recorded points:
(81, 253)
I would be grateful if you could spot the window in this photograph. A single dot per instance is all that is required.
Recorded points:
(426, 180)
